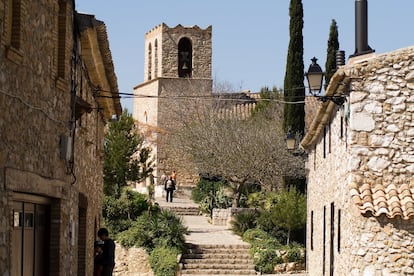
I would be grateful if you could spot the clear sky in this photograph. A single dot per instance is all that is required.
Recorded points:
(250, 37)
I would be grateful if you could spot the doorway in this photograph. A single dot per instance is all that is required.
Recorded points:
(30, 237)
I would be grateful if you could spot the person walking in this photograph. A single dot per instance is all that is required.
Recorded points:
(169, 187)
(108, 252)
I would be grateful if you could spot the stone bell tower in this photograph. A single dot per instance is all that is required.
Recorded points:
(177, 73)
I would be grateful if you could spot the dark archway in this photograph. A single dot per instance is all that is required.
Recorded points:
(185, 58)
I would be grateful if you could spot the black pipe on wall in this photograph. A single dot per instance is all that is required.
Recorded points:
(361, 28)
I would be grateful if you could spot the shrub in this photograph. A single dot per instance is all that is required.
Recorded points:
(204, 188)
(263, 250)
(289, 212)
(243, 221)
(255, 235)
(163, 260)
(266, 259)
(155, 229)
(120, 213)
(264, 222)
(296, 253)
(171, 230)
(209, 195)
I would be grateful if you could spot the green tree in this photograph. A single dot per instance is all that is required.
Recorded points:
(289, 212)
(294, 91)
(126, 159)
(269, 102)
(333, 46)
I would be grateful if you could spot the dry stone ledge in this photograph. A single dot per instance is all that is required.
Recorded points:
(131, 262)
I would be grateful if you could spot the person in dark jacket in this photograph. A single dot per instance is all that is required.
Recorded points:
(108, 254)
(169, 187)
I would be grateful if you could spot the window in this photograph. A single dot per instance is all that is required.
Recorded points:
(311, 231)
(185, 59)
(16, 24)
(324, 142)
(156, 58)
(149, 61)
(13, 30)
(339, 231)
(329, 137)
(61, 47)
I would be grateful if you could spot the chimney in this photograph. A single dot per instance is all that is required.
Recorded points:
(361, 28)
(340, 58)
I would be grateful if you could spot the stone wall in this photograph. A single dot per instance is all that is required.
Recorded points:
(163, 61)
(327, 176)
(36, 112)
(224, 216)
(369, 236)
(177, 105)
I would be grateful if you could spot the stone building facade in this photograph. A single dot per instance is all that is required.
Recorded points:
(53, 64)
(361, 168)
(177, 72)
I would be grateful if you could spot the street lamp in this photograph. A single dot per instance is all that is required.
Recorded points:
(290, 140)
(315, 79)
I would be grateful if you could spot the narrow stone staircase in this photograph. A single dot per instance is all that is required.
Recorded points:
(217, 259)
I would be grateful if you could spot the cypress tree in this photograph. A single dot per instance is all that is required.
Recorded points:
(333, 46)
(294, 91)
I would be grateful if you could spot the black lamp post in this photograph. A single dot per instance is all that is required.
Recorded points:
(315, 79)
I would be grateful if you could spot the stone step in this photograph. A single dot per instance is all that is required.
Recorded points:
(215, 246)
(223, 256)
(217, 259)
(210, 272)
(183, 211)
(208, 265)
(220, 260)
(232, 274)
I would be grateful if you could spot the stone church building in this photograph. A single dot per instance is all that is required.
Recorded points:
(55, 66)
(360, 218)
(177, 85)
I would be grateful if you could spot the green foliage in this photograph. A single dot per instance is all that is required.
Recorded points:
(267, 251)
(210, 194)
(244, 221)
(204, 188)
(267, 104)
(155, 229)
(280, 213)
(163, 260)
(119, 213)
(290, 211)
(263, 200)
(263, 249)
(264, 222)
(333, 46)
(294, 114)
(296, 253)
(122, 142)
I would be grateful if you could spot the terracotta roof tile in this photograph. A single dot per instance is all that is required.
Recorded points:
(392, 200)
